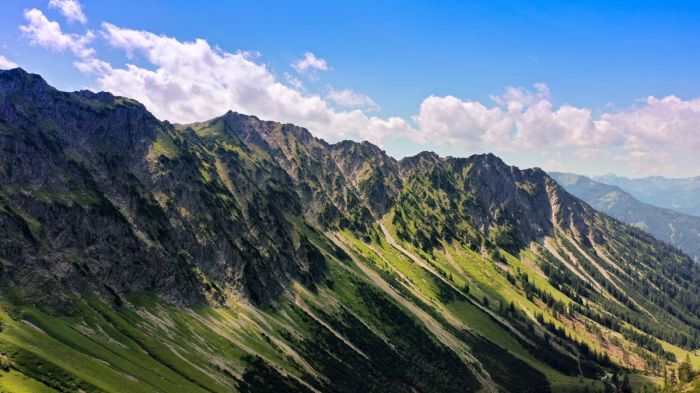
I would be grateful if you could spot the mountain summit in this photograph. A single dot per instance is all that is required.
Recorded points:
(249, 255)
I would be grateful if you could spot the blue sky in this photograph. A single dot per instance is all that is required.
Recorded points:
(591, 87)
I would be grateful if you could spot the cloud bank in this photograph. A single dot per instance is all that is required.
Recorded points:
(192, 81)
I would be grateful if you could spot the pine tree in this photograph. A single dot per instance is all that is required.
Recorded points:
(685, 370)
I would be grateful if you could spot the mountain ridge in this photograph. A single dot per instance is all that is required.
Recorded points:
(237, 253)
(679, 194)
(678, 229)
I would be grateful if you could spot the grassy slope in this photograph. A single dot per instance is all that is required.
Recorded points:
(467, 267)
(486, 279)
(13, 381)
(150, 346)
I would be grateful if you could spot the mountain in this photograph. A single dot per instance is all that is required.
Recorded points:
(680, 230)
(238, 254)
(681, 195)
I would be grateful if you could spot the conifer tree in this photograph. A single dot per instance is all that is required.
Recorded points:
(685, 370)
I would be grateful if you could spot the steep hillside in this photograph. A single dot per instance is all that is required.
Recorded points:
(680, 230)
(681, 195)
(248, 255)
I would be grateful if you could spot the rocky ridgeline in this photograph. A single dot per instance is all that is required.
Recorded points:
(100, 195)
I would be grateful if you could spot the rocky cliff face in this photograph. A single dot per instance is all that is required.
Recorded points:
(99, 194)
(338, 267)
(205, 205)
(482, 201)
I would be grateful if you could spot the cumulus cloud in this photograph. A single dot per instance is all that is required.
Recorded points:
(6, 64)
(191, 81)
(71, 9)
(521, 119)
(449, 120)
(48, 34)
(668, 121)
(310, 64)
(350, 99)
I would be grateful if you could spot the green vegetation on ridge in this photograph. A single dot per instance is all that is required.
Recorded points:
(239, 254)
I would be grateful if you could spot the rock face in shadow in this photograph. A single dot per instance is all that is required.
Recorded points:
(100, 195)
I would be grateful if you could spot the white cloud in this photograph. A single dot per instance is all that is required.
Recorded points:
(668, 121)
(71, 9)
(351, 99)
(192, 81)
(523, 120)
(556, 164)
(6, 64)
(294, 82)
(93, 66)
(310, 63)
(519, 119)
(449, 120)
(48, 34)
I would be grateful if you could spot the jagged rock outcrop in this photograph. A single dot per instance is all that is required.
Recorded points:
(106, 197)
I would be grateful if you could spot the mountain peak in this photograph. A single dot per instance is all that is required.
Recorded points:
(18, 80)
(488, 160)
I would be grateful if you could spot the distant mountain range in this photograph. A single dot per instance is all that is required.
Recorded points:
(681, 230)
(681, 195)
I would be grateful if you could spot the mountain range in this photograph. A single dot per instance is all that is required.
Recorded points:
(681, 195)
(248, 255)
(678, 229)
